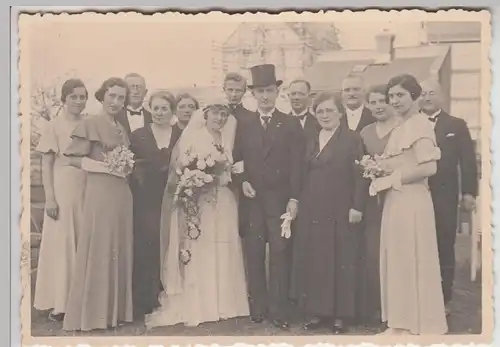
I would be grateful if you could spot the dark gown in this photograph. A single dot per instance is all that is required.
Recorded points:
(150, 179)
(369, 278)
(325, 247)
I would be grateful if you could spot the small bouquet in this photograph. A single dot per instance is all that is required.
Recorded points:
(120, 161)
(372, 167)
(198, 173)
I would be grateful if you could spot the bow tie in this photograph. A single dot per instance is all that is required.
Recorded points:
(234, 107)
(135, 113)
(434, 118)
(302, 117)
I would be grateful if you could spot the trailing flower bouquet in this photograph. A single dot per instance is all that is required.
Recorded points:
(198, 173)
(120, 161)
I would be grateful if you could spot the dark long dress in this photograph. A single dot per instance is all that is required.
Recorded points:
(369, 278)
(152, 165)
(325, 243)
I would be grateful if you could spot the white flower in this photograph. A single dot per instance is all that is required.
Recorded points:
(189, 192)
(210, 161)
(199, 183)
(178, 171)
(201, 164)
(208, 179)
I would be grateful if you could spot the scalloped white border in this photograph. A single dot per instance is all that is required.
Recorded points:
(372, 15)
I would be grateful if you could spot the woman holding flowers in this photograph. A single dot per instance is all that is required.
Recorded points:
(64, 187)
(326, 237)
(202, 261)
(152, 146)
(375, 137)
(412, 299)
(101, 289)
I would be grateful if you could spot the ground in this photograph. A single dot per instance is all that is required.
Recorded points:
(465, 317)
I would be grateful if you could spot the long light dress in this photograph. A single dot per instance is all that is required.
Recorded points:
(411, 293)
(214, 284)
(59, 237)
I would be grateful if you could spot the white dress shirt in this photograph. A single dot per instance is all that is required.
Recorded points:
(303, 120)
(433, 116)
(135, 121)
(354, 116)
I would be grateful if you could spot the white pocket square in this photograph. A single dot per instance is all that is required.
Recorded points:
(450, 135)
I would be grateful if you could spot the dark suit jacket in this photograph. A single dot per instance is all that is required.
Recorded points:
(272, 160)
(123, 119)
(240, 112)
(311, 127)
(366, 119)
(457, 155)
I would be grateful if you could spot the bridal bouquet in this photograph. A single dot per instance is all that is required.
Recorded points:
(198, 173)
(119, 161)
(372, 167)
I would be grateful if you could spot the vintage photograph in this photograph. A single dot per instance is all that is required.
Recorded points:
(286, 176)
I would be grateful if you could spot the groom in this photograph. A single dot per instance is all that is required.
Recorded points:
(271, 145)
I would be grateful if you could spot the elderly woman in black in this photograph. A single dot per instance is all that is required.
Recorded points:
(327, 233)
(152, 145)
(101, 290)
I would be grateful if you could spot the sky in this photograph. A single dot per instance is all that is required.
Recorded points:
(167, 54)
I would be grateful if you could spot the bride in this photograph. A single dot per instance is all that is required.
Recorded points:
(202, 269)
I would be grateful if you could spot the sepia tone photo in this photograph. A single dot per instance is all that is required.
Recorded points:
(222, 178)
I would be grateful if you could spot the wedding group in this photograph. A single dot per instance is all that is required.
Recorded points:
(163, 214)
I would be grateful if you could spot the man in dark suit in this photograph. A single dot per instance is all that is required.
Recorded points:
(456, 174)
(235, 87)
(135, 116)
(357, 116)
(299, 92)
(271, 145)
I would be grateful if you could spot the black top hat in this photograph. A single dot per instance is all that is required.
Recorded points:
(264, 75)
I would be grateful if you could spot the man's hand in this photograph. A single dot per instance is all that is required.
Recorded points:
(468, 203)
(355, 216)
(248, 190)
(292, 208)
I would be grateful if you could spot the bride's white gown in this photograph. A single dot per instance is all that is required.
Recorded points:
(214, 285)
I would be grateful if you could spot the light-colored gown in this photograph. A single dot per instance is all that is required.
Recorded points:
(411, 293)
(59, 237)
(213, 282)
(101, 289)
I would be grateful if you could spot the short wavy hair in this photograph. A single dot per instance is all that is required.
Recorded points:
(377, 89)
(327, 95)
(70, 85)
(165, 95)
(110, 83)
(407, 82)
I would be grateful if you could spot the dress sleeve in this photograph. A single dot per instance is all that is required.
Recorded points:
(82, 137)
(426, 150)
(48, 140)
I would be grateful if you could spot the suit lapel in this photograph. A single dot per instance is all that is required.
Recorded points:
(330, 148)
(364, 120)
(440, 127)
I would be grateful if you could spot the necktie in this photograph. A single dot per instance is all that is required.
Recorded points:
(266, 120)
(135, 113)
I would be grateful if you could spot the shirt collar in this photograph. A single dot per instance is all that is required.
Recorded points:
(434, 115)
(139, 109)
(356, 111)
(299, 114)
(269, 114)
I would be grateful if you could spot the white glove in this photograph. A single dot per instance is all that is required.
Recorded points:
(91, 165)
(238, 168)
(286, 231)
(383, 183)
